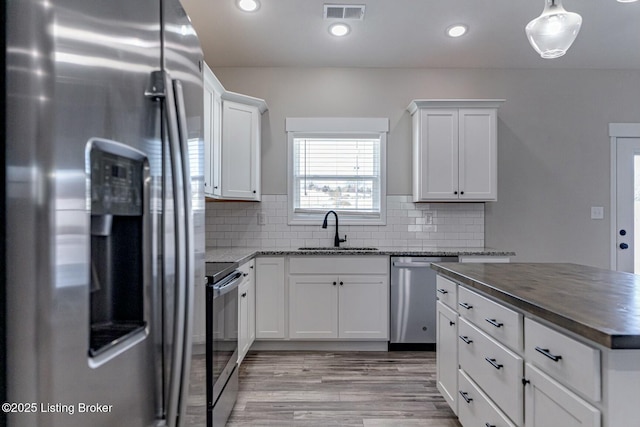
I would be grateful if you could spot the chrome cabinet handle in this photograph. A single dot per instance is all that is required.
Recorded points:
(465, 396)
(442, 291)
(494, 323)
(465, 305)
(465, 339)
(493, 363)
(545, 351)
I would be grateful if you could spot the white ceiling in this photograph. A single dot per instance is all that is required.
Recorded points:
(410, 33)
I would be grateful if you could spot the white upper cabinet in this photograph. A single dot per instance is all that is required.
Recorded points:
(212, 132)
(232, 140)
(455, 150)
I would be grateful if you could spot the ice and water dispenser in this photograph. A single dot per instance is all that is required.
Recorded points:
(118, 177)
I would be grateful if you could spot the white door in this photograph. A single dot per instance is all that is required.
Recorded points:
(363, 304)
(313, 306)
(240, 133)
(478, 154)
(438, 155)
(627, 200)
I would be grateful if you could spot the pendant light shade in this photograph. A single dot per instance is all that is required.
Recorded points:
(553, 32)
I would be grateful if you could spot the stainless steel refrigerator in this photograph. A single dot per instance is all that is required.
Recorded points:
(104, 210)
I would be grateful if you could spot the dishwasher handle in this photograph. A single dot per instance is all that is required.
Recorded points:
(410, 264)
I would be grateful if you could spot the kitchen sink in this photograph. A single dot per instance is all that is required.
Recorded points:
(333, 248)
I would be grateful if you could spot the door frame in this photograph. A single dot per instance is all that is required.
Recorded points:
(617, 130)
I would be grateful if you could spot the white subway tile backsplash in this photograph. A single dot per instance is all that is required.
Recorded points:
(415, 225)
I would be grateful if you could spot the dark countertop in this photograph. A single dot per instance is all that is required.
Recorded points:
(241, 255)
(600, 305)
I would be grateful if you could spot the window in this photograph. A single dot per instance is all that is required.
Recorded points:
(337, 164)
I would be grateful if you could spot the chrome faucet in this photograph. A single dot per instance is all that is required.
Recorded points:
(336, 240)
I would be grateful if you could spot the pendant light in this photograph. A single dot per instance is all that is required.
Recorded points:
(553, 32)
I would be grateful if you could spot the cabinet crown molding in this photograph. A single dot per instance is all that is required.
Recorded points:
(453, 103)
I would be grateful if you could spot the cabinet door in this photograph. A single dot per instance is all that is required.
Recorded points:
(216, 144)
(240, 151)
(243, 319)
(212, 132)
(270, 298)
(436, 154)
(363, 310)
(251, 317)
(549, 404)
(313, 306)
(447, 354)
(478, 154)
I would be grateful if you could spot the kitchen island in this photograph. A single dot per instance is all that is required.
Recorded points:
(539, 344)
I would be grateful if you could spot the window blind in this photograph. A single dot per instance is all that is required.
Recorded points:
(342, 174)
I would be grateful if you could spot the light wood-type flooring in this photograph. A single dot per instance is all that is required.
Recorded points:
(368, 389)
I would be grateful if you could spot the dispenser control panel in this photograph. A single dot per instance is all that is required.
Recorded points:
(116, 184)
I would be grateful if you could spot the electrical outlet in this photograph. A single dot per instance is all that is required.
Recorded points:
(597, 212)
(262, 218)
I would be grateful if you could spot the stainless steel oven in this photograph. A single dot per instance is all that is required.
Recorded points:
(221, 341)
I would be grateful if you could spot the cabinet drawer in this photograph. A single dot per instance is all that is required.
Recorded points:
(339, 265)
(503, 324)
(447, 291)
(247, 267)
(567, 360)
(496, 369)
(475, 408)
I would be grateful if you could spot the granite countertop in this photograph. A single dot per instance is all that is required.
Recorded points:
(600, 305)
(240, 254)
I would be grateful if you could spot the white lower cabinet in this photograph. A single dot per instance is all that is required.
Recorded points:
(553, 380)
(270, 298)
(447, 354)
(549, 404)
(496, 369)
(345, 307)
(313, 307)
(476, 408)
(345, 298)
(246, 310)
(363, 308)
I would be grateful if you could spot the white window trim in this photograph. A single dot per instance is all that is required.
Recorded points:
(337, 126)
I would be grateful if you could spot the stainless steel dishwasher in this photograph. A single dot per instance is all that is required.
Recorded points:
(413, 303)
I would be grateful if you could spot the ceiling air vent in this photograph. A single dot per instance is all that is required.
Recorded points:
(344, 11)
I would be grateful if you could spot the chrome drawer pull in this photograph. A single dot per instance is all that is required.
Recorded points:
(465, 305)
(545, 351)
(494, 323)
(493, 363)
(465, 339)
(466, 397)
(443, 291)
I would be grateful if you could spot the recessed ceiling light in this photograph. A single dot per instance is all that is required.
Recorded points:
(339, 29)
(248, 5)
(456, 30)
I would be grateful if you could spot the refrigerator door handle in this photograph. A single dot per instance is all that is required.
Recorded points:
(189, 247)
(175, 156)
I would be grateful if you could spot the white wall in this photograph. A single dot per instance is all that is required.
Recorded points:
(552, 140)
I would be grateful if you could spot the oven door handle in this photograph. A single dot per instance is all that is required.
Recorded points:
(228, 284)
